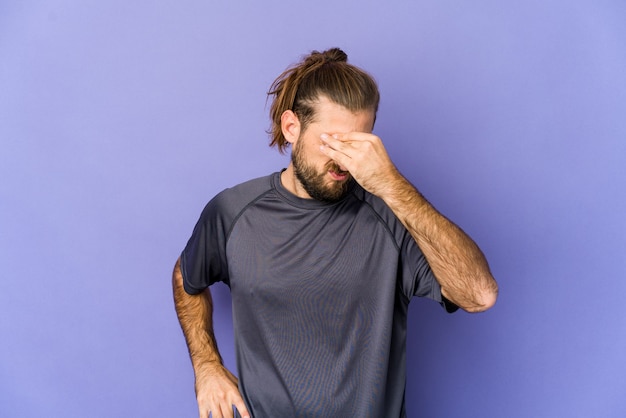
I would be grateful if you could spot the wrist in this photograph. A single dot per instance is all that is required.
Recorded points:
(386, 184)
(396, 190)
(208, 366)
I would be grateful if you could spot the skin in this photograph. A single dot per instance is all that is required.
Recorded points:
(330, 118)
(216, 387)
(338, 145)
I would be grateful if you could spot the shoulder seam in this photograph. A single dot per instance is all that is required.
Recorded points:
(236, 218)
(381, 220)
(406, 298)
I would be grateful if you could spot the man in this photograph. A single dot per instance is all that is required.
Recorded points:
(321, 259)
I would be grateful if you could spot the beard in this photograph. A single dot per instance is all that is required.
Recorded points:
(316, 183)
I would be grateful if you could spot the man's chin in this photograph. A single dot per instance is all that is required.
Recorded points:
(333, 192)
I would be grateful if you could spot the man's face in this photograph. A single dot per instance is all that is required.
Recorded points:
(320, 177)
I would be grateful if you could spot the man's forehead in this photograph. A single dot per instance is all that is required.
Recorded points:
(328, 112)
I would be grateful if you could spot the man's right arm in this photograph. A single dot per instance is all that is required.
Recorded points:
(216, 386)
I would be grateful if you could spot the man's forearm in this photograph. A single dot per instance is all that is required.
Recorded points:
(195, 314)
(216, 387)
(456, 261)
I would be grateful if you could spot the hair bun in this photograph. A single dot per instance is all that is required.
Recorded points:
(330, 55)
(335, 55)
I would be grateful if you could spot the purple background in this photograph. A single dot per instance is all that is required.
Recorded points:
(119, 120)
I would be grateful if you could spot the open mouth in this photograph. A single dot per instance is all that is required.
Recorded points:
(338, 175)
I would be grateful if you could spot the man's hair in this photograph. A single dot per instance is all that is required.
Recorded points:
(320, 74)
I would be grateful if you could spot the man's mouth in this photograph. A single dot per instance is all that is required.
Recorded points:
(338, 175)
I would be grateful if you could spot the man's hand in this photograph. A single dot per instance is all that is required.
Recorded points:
(217, 392)
(365, 157)
(216, 387)
(458, 264)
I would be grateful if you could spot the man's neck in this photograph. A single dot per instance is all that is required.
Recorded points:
(290, 182)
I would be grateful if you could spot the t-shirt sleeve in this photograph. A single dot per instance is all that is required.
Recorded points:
(417, 276)
(203, 261)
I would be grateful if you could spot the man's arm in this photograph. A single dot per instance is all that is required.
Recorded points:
(456, 261)
(216, 386)
(458, 264)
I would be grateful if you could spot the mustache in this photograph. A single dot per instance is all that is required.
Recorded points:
(333, 166)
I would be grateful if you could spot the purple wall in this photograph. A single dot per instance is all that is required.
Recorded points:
(119, 120)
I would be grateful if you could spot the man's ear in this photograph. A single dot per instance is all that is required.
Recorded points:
(290, 126)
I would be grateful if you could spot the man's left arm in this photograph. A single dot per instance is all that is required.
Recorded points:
(456, 261)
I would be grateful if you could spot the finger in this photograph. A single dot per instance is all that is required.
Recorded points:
(355, 136)
(337, 156)
(205, 412)
(333, 141)
(241, 407)
(215, 413)
(224, 412)
(352, 144)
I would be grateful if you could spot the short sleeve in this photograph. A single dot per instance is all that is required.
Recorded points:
(203, 261)
(417, 276)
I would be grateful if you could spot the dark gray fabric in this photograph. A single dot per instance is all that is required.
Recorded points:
(320, 294)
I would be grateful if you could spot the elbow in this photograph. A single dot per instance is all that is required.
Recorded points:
(484, 299)
(487, 302)
(476, 298)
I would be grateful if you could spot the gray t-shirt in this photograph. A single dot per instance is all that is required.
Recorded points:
(320, 295)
